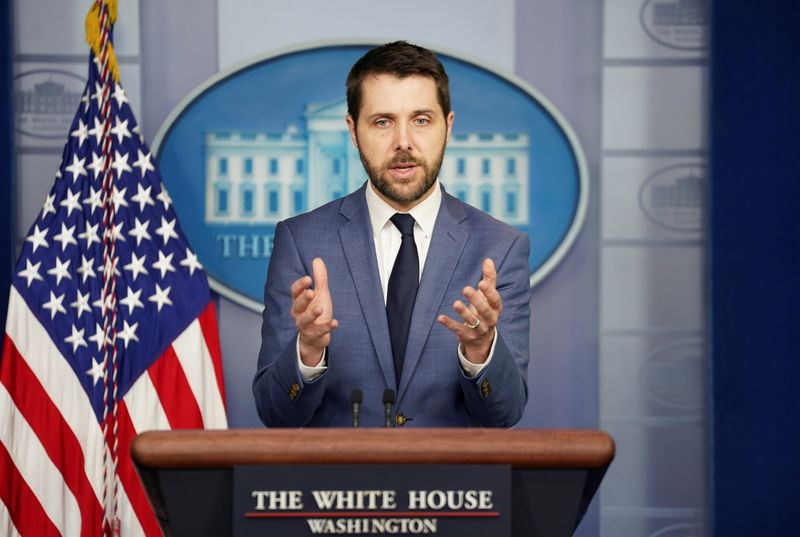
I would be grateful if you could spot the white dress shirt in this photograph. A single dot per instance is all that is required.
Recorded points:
(387, 244)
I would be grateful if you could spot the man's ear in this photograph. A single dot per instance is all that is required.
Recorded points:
(451, 117)
(351, 126)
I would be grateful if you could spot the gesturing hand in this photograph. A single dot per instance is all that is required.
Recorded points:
(312, 311)
(476, 333)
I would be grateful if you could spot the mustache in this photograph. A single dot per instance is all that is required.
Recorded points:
(402, 157)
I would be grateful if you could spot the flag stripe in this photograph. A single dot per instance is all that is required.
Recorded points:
(58, 380)
(7, 526)
(144, 407)
(130, 524)
(26, 514)
(38, 471)
(177, 399)
(128, 476)
(208, 323)
(56, 437)
(198, 365)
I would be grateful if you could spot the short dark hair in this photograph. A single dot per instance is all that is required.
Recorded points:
(400, 59)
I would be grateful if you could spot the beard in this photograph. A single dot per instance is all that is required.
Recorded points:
(394, 190)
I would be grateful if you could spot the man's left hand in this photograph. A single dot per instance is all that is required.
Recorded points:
(476, 332)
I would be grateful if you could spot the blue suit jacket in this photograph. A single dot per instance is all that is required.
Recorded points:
(433, 391)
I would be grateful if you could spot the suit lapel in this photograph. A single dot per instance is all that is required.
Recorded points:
(447, 243)
(359, 251)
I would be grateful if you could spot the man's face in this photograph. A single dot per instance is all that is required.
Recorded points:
(401, 135)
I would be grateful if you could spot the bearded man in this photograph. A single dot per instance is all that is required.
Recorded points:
(398, 286)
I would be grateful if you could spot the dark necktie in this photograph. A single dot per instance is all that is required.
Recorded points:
(402, 290)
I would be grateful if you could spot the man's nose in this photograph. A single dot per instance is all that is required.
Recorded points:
(402, 137)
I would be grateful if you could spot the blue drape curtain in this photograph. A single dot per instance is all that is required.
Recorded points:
(8, 192)
(755, 267)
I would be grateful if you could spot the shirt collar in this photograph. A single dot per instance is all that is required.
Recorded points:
(424, 213)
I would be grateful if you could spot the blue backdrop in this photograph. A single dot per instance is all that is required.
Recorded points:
(7, 183)
(755, 268)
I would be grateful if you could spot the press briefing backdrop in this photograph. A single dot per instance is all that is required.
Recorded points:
(618, 327)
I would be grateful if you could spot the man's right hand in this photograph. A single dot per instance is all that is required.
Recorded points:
(312, 311)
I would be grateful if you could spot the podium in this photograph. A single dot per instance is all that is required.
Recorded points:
(188, 475)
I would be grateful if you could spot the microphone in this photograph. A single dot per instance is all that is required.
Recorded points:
(388, 407)
(355, 399)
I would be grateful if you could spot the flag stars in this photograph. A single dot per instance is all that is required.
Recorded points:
(167, 230)
(96, 371)
(37, 238)
(66, 237)
(81, 303)
(140, 231)
(119, 95)
(90, 235)
(98, 337)
(54, 305)
(97, 131)
(116, 232)
(81, 133)
(120, 163)
(120, 130)
(76, 339)
(191, 262)
(94, 200)
(97, 165)
(132, 300)
(164, 198)
(31, 272)
(142, 196)
(161, 297)
(98, 91)
(136, 266)
(71, 202)
(164, 263)
(144, 164)
(118, 197)
(86, 270)
(128, 333)
(61, 270)
(48, 206)
(76, 169)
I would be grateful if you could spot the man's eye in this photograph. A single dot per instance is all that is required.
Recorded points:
(382, 123)
(421, 121)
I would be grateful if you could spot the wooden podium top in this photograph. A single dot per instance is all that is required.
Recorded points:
(521, 448)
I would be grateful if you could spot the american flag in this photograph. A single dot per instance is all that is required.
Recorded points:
(69, 404)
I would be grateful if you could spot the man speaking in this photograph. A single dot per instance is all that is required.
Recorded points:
(398, 286)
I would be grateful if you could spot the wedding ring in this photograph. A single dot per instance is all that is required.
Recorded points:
(477, 323)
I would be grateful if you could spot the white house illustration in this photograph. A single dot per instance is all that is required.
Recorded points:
(262, 178)
(680, 13)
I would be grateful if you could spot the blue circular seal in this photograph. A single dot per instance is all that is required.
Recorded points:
(266, 140)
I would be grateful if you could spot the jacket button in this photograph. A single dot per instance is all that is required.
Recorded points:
(400, 419)
(294, 391)
(486, 389)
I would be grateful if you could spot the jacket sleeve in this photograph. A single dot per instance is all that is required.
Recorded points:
(283, 398)
(498, 395)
